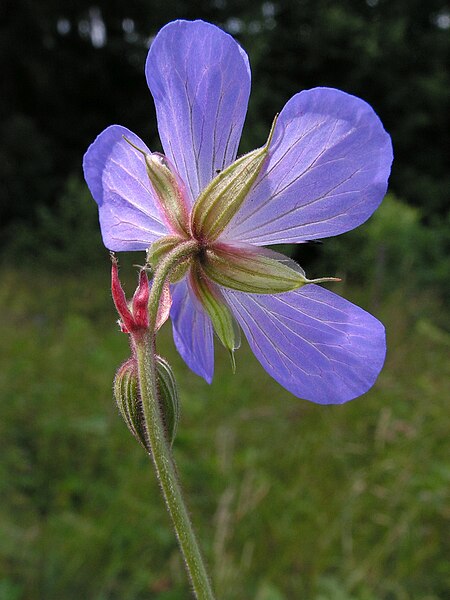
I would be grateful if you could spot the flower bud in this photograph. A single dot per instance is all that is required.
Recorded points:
(120, 301)
(165, 302)
(140, 302)
(128, 398)
(133, 320)
(168, 397)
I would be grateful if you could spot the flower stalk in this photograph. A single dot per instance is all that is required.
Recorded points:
(158, 442)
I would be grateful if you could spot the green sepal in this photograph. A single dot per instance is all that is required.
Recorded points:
(168, 397)
(168, 187)
(222, 198)
(160, 248)
(224, 324)
(127, 396)
(254, 271)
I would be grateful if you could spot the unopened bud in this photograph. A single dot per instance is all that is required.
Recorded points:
(126, 393)
(140, 302)
(120, 301)
(134, 319)
(165, 302)
(129, 402)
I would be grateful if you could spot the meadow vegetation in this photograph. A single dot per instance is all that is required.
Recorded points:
(290, 499)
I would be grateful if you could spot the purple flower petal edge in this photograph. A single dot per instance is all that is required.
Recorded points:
(327, 171)
(314, 343)
(117, 179)
(200, 81)
(192, 331)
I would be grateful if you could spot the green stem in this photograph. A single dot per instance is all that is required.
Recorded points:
(160, 448)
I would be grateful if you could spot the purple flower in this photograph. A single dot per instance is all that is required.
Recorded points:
(323, 171)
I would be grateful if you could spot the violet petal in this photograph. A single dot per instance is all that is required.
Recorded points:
(200, 80)
(192, 331)
(326, 173)
(314, 343)
(118, 181)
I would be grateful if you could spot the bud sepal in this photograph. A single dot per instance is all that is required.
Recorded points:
(129, 402)
(168, 397)
(133, 317)
(128, 399)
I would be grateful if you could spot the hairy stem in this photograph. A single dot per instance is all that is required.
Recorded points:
(160, 447)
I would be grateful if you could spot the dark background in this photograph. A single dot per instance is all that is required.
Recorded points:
(71, 68)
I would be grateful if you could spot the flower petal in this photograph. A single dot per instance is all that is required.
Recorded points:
(192, 331)
(325, 174)
(118, 181)
(200, 80)
(314, 343)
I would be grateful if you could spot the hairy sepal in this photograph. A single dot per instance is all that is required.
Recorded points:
(128, 399)
(168, 397)
(217, 309)
(221, 199)
(169, 189)
(254, 270)
(127, 396)
(159, 249)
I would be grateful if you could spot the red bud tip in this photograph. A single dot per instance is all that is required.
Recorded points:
(119, 297)
(135, 320)
(140, 302)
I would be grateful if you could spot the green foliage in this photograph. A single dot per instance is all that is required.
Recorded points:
(66, 236)
(291, 500)
(393, 249)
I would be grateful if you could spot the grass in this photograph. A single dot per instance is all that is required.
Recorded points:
(291, 500)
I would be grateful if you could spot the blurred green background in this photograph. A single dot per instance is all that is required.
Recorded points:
(291, 500)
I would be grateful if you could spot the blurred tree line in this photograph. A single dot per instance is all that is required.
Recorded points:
(71, 68)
